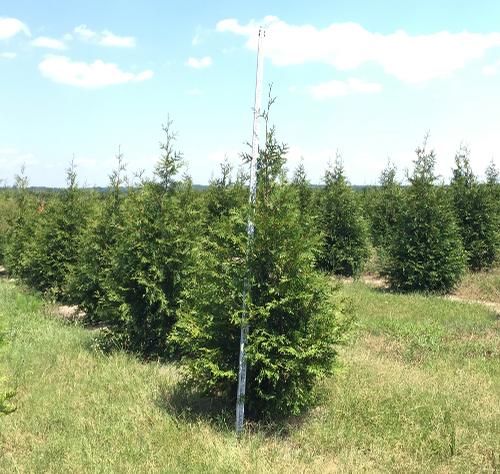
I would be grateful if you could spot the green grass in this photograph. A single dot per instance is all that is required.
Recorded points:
(418, 391)
(481, 286)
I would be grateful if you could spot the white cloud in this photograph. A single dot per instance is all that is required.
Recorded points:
(63, 70)
(491, 69)
(84, 33)
(347, 46)
(50, 43)
(10, 27)
(104, 38)
(110, 39)
(194, 92)
(331, 89)
(314, 160)
(8, 55)
(12, 159)
(199, 63)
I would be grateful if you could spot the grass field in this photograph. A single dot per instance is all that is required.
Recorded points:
(418, 391)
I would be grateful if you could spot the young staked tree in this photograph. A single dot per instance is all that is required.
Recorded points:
(295, 321)
(426, 253)
(160, 225)
(345, 244)
(476, 214)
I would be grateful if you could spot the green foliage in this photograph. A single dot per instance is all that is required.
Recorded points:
(21, 228)
(492, 175)
(158, 225)
(8, 213)
(426, 253)
(345, 246)
(223, 194)
(476, 215)
(492, 187)
(295, 322)
(90, 281)
(52, 251)
(303, 188)
(385, 208)
(150, 258)
(170, 161)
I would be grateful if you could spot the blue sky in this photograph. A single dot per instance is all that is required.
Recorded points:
(366, 78)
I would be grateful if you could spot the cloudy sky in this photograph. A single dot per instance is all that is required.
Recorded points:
(366, 78)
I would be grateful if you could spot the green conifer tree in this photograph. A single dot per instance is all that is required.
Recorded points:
(426, 252)
(304, 191)
(345, 245)
(90, 282)
(53, 249)
(21, 229)
(295, 320)
(476, 214)
(160, 225)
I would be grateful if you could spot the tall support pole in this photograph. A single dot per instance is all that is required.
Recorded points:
(242, 370)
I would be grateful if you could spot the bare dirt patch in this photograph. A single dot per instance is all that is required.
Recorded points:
(68, 313)
(375, 280)
(370, 279)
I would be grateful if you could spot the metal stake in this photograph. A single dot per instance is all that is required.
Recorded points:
(242, 370)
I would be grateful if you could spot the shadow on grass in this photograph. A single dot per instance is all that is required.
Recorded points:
(189, 406)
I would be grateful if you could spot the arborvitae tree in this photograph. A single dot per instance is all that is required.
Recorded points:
(20, 231)
(493, 187)
(54, 248)
(295, 321)
(304, 190)
(426, 253)
(223, 194)
(492, 174)
(386, 207)
(8, 213)
(345, 245)
(476, 214)
(159, 228)
(90, 282)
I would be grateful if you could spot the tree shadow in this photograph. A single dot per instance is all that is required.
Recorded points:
(188, 405)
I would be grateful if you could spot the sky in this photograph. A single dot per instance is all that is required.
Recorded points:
(366, 79)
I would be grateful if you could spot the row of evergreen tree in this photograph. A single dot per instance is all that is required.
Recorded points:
(161, 266)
